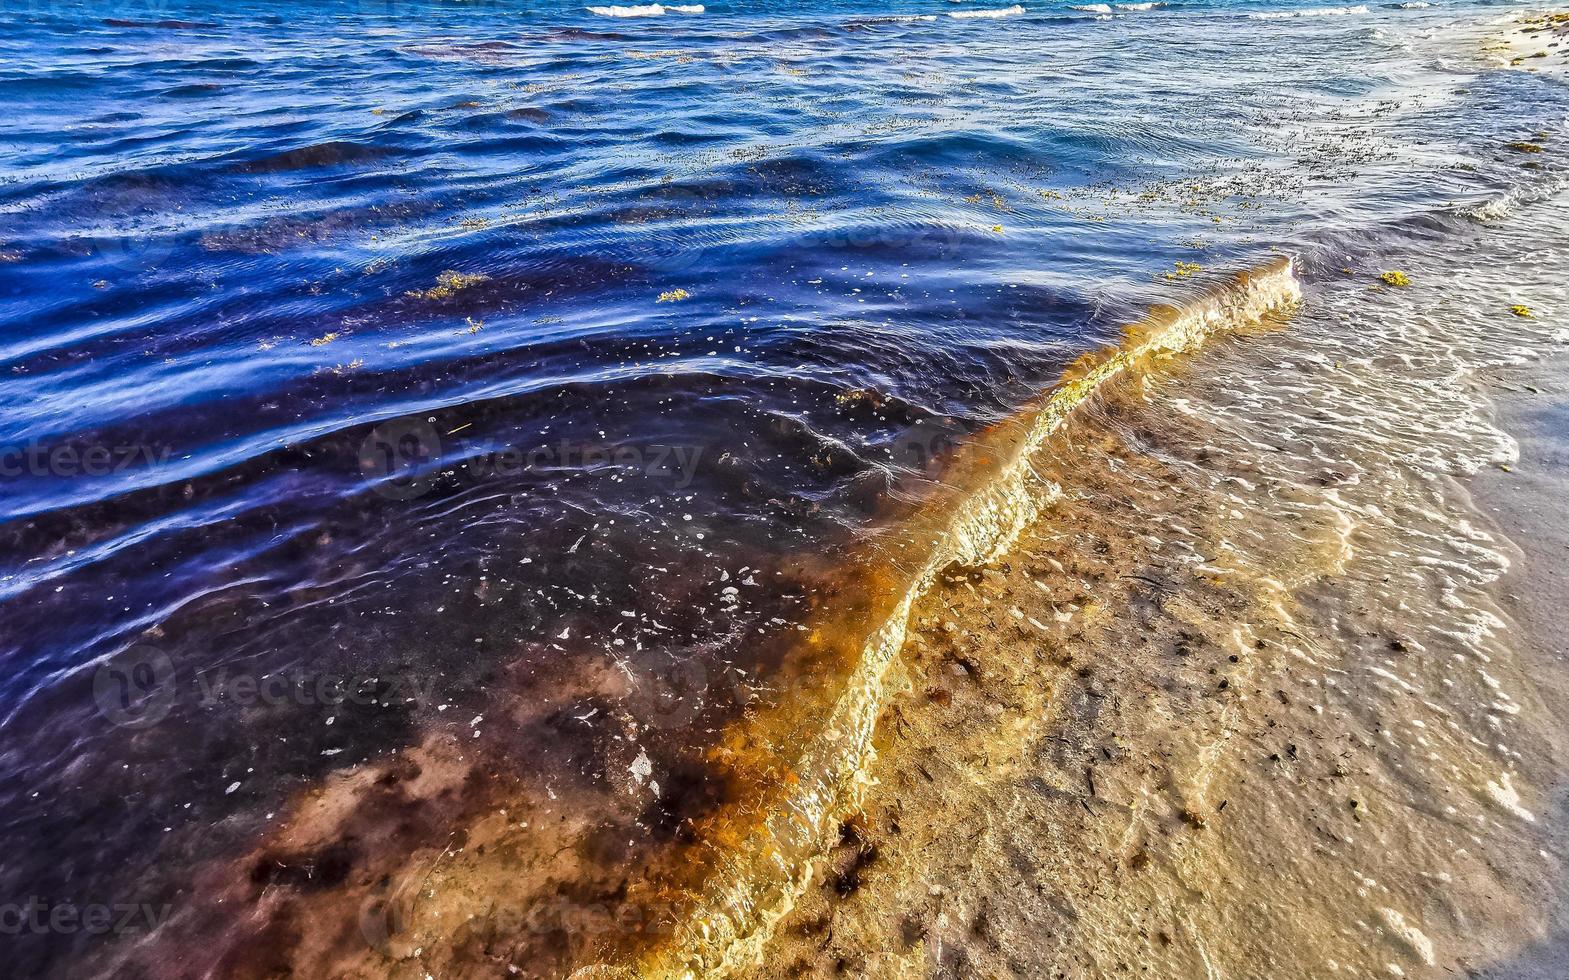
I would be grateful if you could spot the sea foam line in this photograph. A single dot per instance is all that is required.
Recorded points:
(647, 10)
(1309, 12)
(986, 14)
(758, 882)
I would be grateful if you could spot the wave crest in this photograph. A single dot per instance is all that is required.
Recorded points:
(1309, 12)
(647, 10)
(757, 884)
(986, 14)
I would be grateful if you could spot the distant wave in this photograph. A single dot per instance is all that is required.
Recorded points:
(1413, 5)
(1106, 8)
(1310, 12)
(972, 14)
(647, 10)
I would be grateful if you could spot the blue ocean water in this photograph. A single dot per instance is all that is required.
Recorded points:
(474, 341)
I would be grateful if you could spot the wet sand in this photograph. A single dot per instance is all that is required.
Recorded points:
(1530, 503)
(1539, 43)
(1306, 732)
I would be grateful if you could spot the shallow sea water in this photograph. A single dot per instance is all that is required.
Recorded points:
(1244, 701)
(459, 433)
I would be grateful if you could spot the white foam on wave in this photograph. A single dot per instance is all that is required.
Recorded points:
(1093, 8)
(986, 14)
(1505, 204)
(1310, 12)
(647, 10)
(1414, 5)
(1150, 5)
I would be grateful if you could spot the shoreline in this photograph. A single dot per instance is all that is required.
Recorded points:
(1539, 42)
(759, 883)
(1104, 757)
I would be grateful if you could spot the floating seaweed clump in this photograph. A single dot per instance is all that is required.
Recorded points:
(448, 283)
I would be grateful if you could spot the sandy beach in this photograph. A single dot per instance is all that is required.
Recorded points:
(1539, 42)
(1110, 761)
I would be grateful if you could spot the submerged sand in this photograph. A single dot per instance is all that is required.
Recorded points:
(1241, 691)
(1529, 501)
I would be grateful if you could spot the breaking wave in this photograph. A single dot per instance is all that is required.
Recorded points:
(647, 10)
(986, 14)
(1310, 12)
(758, 883)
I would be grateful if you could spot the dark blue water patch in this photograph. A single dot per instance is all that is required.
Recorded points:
(160, 25)
(333, 154)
